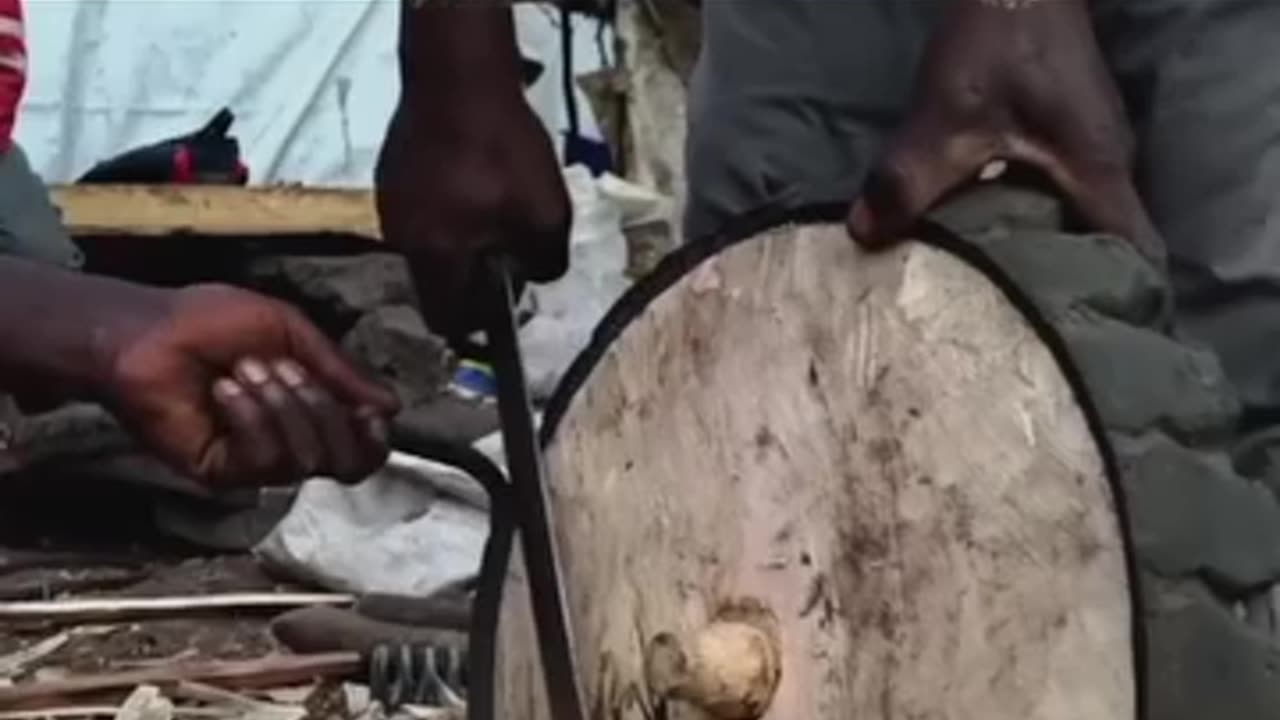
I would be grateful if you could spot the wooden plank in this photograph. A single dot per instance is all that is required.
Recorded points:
(878, 454)
(159, 210)
(77, 610)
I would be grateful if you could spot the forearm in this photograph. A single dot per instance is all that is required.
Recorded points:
(456, 53)
(56, 326)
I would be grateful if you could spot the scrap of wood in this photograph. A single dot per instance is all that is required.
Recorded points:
(17, 661)
(420, 712)
(242, 706)
(268, 672)
(116, 609)
(110, 711)
(146, 703)
(159, 210)
(73, 711)
(56, 585)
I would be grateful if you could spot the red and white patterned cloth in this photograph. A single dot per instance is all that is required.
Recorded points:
(13, 67)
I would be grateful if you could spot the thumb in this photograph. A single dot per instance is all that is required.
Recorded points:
(925, 163)
(317, 354)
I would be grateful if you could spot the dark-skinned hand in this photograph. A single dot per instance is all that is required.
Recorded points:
(455, 184)
(234, 388)
(1020, 82)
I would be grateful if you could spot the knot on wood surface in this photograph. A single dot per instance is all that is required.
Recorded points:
(730, 669)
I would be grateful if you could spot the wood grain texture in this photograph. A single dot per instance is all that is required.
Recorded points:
(159, 210)
(876, 448)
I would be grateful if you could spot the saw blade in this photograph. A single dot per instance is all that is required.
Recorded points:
(532, 501)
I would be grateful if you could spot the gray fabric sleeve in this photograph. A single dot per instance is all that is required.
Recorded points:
(30, 225)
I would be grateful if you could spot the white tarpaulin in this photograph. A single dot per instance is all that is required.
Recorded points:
(312, 82)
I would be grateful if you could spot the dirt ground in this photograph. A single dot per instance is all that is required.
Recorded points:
(131, 644)
(80, 541)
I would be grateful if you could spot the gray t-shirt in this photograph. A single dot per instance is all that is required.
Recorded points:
(792, 98)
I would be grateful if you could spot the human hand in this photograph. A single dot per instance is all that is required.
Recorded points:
(1022, 82)
(457, 183)
(235, 388)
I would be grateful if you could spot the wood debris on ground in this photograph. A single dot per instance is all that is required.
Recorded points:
(192, 642)
(196, 701)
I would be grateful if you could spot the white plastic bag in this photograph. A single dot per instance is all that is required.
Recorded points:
(567, 311)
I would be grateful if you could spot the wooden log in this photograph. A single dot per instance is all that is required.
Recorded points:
(877, 450)
(162, 210)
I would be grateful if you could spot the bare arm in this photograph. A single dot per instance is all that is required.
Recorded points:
(456, 53)
(227, 385)
(57, 325)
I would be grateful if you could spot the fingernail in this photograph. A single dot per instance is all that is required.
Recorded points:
(255, 371)
(291, 373)
(992, 170)
(227, 387)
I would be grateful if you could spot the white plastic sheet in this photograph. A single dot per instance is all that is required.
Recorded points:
(406, 530)
(312, 82)
(568, 310)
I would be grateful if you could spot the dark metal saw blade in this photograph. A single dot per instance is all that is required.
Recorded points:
(531, 497)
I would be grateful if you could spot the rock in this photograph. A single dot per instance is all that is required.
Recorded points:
(76, 431)
(1257, 456)
(336, 291)
(1099, 272)
(1202, 662)
(999, 207)
(394, 342)
(1191, 515)
(1140, 380)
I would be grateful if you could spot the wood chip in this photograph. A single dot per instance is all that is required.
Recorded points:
(418, 712)
(289, 695)
(146, 703)
(243, 706)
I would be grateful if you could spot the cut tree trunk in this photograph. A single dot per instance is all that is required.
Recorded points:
(803, 481)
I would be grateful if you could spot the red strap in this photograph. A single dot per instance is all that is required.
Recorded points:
(184, 170)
